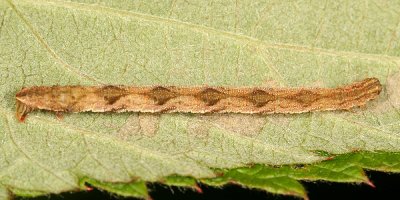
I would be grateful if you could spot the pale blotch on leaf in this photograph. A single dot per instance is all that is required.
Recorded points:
(393, 85)
(198, 128)
(390, 96)
(148, 123)
(131, 126)
(281, 120)
(145, 124)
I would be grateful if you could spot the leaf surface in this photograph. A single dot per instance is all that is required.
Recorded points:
(249, 43)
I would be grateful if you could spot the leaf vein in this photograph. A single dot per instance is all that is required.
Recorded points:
(209, 30)
(30, 158)
(47, 47)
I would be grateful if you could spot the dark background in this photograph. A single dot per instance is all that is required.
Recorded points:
(387, 186)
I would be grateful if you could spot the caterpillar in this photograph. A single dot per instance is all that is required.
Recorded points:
(198, 99)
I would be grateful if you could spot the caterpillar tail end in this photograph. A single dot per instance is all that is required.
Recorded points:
(22, 111)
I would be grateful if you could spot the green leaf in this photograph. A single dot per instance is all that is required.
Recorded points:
(132, 189)
(248, 43)
(284, 179)
(180, 181)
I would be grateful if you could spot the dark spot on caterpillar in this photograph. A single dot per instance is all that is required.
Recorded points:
(216, 110)
(112, 99)
(305, 97)
(260, 97)
(211, 96)
(161, 95)
(112, 93)
(164, 110)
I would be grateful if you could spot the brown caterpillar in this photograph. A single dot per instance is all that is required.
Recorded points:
(194, 99)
